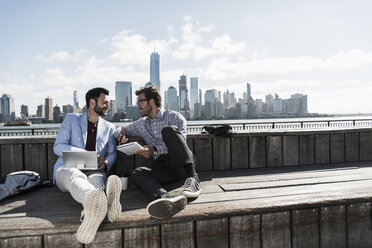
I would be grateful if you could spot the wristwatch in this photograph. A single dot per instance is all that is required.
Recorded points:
(155, 152)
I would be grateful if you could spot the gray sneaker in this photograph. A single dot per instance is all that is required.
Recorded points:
(192, 188)
(167, 206)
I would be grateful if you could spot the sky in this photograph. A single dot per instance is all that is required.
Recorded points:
(322, 49)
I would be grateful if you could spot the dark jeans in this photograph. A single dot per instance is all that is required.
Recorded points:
(177, 165)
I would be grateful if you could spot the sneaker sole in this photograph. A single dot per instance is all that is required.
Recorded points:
(95, 209)
(189, 194)
(113, 198)
(165, 208)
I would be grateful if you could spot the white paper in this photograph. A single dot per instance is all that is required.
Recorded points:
(130, 148)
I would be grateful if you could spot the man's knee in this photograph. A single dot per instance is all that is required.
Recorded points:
(169, 130)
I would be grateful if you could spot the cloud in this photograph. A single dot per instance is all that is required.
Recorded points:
(63, 57)
(134, 49)
(223, 68)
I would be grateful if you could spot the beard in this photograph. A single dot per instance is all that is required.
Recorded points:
(100, 111)
(146, 111)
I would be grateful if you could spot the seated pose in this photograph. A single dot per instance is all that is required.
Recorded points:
(88, 131)
(165, 135)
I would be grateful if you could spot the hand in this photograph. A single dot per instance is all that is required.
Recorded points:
(102, 163)
(121, 138)
(146, 152)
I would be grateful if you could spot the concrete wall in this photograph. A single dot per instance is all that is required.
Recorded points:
(240, 150)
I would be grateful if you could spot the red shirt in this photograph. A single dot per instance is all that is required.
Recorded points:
(91, 138)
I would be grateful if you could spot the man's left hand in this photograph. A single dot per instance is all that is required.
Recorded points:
(147, 152)
(102, 163)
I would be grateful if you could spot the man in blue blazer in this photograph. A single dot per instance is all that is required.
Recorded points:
(88, 131)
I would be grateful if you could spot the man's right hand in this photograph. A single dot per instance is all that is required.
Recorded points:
(121, 138)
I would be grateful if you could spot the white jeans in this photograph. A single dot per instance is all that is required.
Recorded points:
(79, 184)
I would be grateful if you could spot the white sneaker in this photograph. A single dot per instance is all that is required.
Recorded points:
(95, 209)
(113, 191)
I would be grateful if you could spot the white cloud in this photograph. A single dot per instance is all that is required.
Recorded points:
(223, 68)
(63, 57)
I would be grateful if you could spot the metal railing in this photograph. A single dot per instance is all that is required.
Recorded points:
(197, 128)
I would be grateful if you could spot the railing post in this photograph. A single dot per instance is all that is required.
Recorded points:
(33, 131)
(273, 125)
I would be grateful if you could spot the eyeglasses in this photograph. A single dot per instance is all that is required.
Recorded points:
(139, 102)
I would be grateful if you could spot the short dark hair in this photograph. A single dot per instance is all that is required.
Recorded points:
(151, 92)
(94, 94)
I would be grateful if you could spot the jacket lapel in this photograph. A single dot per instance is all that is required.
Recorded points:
(84, 126)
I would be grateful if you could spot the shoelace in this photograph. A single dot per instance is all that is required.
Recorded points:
(189, 184)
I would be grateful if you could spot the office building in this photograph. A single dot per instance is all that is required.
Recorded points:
(7, 108)
(57, 114)
(48, 109)
(172, 99)
(183, 97)
(113, 109)
(123, 95)
(76, 99)
(194, 90)
(155, 70)
(67, 109)
(248, 96)
(24, 110)
(40, 112)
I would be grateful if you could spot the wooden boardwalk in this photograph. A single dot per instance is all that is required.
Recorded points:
(300, 206)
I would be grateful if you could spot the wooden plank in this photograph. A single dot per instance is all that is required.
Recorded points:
(239, 152)
(305, 228)
(351, 147)
(337, 147)
(24, 242)
(245, 231)
(52, 158)
(257, 155)
(321, 148)
(307, 149)
(212, 233)
(177, 235)
(279, 182)
(11, 159)
(274, 151)
(62, 240)
(359, 230)
(276, 231)
(221, 153)
(332, 227)
(365, 145)
(107, 239)
(142, 237)
(290, 150)
(35, 159)
(203, 153)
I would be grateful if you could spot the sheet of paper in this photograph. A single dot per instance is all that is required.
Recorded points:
(129, 148)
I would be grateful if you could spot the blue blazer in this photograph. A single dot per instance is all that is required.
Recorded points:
(72, 136)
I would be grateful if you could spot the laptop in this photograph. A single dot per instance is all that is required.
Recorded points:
(83, 160)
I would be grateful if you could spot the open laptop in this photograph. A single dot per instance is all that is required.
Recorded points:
(83, 160)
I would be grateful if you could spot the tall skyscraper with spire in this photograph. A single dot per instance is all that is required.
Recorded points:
(154, 70)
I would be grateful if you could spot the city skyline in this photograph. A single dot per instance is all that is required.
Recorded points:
(322, 49)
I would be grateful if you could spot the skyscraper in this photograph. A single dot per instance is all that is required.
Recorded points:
(194, 90)
(248, 92)
(183, 96)
(7, 108)
(123, 95)
(48, 109)
(172, 99)
(154, 70)
(76, 99)
(24, 110)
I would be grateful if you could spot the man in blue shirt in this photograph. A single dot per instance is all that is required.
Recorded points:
(90, 132)
(165, 135)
